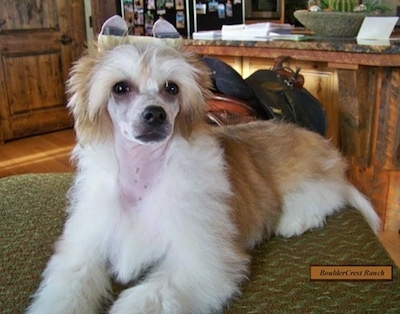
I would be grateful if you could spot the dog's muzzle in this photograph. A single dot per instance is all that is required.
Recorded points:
(155, 125)
(154, 116)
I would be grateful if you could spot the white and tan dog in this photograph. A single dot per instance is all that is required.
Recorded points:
(163, 199)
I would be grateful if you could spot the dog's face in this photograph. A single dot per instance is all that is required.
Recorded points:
(145, 99)
(144, 91)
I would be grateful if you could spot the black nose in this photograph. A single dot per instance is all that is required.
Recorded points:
(154, 115)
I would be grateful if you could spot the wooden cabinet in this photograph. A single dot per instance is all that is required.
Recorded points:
(38, 42)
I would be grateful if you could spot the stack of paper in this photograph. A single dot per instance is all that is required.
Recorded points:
(254, 31)
(207, 35)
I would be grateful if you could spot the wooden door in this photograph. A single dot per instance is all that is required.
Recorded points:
(39, 40)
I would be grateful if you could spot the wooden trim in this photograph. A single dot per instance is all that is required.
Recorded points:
(343, 66)
(78, 29)
(101, 11)
(369, 59)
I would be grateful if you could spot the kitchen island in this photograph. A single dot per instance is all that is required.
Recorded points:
(358, 85)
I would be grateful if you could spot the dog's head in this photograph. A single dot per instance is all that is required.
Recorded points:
(144, 89)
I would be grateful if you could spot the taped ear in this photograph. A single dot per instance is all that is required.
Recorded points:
(114, 32)
(164, 29)
(114, 26)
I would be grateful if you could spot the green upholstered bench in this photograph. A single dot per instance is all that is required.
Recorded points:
(32, 213)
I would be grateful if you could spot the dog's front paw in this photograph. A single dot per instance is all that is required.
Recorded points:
(146, 298)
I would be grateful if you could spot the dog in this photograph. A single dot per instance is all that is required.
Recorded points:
(168, 204)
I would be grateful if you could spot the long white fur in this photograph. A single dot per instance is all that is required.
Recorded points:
(182, 233)
(169, 227)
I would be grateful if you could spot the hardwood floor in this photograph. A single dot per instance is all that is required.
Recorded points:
(51, 153)
(44, 153)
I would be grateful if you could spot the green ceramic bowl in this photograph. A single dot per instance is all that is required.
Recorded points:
(331, 24)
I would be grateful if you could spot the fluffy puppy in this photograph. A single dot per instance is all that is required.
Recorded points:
(163, 199)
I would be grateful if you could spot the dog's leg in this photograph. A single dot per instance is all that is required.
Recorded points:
(308, 206)
(75, 279)
(187, 283)
(73, 282)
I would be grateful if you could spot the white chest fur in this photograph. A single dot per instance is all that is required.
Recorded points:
(165, 220)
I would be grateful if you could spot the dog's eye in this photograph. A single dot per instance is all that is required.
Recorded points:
(121, 88)
(171, 87)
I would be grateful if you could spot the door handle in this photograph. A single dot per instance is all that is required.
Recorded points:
(65, 39)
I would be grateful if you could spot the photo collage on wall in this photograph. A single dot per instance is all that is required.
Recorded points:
(141, 14)
(224, 9)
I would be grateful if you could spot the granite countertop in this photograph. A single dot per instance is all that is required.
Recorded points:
(306, 43)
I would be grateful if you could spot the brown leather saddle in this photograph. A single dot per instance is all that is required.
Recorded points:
(277, 93)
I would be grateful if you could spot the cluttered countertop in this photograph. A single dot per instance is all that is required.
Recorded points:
(307, 42)
(306, 47)
(284, 36)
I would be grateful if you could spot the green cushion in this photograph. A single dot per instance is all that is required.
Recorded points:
(32, 212)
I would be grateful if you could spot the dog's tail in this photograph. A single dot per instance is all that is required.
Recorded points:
(356, 199)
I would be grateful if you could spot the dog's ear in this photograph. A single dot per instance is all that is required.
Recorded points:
(164, 29)
(195, 100)
(114, 32)
(91, 122)
(114, 26)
